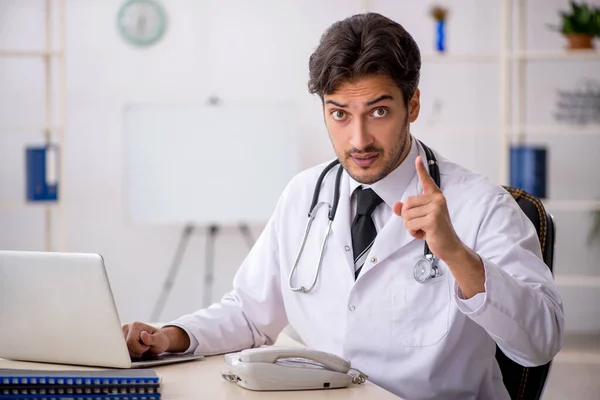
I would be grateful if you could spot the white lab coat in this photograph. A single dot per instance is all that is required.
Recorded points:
(419, 341)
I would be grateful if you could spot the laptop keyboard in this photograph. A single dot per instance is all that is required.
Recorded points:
(148, 357)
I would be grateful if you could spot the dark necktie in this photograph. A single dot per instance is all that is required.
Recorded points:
(363, 228)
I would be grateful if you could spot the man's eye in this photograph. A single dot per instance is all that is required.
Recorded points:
(338, 115)
(380, 112)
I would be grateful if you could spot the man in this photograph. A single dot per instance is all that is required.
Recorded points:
(419, 340)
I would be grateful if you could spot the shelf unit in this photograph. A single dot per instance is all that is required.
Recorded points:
(516, 129)
(53, 129)
(520, 58)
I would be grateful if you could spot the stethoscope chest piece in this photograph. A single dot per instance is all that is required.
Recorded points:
(426, 269)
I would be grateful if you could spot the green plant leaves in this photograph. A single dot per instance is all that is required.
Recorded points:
(582, 19)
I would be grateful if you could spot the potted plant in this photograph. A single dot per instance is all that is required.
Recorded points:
(580, 25)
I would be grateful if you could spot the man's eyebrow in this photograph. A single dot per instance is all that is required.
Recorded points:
(335, 103)
(369, 103)
(380, 98)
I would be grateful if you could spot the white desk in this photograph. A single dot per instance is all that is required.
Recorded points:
(202, 380)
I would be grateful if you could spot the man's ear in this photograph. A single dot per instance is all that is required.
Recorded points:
(414, 106)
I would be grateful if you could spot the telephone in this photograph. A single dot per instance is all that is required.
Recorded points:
(289, 368)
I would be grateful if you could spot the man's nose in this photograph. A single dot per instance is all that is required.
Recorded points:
(360, 138)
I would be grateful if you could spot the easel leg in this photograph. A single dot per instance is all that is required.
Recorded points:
(168, 284)
(245, 230)
(213, 230)
(210, 264)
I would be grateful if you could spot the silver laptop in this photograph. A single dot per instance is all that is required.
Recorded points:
(59, 308)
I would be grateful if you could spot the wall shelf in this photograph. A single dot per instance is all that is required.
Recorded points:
(25, 206)
(571, 205)
(533, 55)
(31, 54)
(556, 55)
(556, 129)
(586, 281)
(8, 129)
(458, 132)
(460, 57)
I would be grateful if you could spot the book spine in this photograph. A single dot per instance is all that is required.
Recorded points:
(82, 397)
(72, 380)
(77, 389)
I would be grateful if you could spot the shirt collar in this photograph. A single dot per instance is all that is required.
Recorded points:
(392, 186)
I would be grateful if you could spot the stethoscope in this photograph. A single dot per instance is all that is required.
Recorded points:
(426, 268)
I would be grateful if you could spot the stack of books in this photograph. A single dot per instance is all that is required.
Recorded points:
(127, 384)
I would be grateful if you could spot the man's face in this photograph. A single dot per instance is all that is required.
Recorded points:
(368, 126)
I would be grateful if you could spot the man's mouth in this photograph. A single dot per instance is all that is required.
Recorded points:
(364, 160)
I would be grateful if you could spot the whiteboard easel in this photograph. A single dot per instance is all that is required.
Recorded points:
(206, 165)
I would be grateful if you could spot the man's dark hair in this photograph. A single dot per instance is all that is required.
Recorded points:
(365, 45)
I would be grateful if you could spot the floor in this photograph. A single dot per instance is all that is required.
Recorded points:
(575, 372)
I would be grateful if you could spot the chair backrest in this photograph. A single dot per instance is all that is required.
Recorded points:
(528, 382)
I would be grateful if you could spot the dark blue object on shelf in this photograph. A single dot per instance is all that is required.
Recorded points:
(441, 36)
(528, 169)
(41, 173)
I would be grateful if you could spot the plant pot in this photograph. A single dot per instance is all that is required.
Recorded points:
(580, 41)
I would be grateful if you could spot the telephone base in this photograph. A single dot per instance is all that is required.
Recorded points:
(283, 368)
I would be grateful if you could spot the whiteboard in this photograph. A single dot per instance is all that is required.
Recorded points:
(207, 165)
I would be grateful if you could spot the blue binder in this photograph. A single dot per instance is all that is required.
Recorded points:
(528, 169)
(41, 172)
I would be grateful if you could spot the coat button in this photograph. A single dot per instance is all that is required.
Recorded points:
(347, 248)
(351, 308)
(373, 260)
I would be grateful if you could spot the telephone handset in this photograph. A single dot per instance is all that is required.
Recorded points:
(289, 368)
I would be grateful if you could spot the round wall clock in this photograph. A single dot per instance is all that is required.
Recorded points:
(142, 22)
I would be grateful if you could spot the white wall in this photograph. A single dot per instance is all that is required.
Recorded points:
(258, 50)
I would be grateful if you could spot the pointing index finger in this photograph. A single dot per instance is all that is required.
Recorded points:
(426, 180)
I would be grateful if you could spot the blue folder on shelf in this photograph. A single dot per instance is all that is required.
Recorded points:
(528, 169)
(41, 172)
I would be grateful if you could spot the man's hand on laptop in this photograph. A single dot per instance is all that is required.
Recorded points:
(143, 339)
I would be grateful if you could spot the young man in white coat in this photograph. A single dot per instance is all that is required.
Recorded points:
(418, 340)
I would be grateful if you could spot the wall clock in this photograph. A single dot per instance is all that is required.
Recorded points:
(142, 22)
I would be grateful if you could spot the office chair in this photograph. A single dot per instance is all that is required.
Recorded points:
(528, 382)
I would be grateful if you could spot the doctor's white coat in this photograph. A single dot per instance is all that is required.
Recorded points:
(419, 341)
